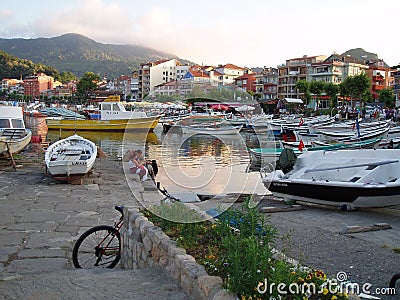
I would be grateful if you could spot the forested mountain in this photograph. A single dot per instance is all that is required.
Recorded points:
(78, 54)
(14, 67)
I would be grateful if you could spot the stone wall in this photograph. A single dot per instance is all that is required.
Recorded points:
(146, 245)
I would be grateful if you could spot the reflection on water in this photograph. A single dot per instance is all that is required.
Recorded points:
(203, 164)
(206, 164)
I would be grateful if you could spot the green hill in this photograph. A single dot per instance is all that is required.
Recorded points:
(78, 54)
(14, 67)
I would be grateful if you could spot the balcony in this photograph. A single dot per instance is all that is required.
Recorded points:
(378, 87)
(378, 78)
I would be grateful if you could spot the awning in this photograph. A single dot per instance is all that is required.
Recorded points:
(294, 100)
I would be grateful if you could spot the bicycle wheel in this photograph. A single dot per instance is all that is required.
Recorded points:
(98, 247)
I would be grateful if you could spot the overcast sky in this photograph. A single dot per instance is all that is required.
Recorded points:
(246, 33)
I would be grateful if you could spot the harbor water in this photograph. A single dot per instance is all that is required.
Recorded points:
(194, 164)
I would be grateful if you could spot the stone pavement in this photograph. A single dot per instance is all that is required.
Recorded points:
(40, 221)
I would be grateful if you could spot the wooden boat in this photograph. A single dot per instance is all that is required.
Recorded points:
(267, 154)
(14, 137)
(113, 117)
(345, 178)
(213, 129)
(334, 145)
(71, 158)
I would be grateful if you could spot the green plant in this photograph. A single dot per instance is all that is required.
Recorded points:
(239, 247)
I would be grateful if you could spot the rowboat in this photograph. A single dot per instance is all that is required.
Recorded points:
(14, 137)
(212, 129)
(345, 178)
(113, 117)
(71, 158)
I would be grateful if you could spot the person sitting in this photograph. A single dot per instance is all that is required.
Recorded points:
(141, 169)
(133, 163)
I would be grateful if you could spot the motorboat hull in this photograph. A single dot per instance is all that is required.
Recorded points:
(359, 178)
(337, 195)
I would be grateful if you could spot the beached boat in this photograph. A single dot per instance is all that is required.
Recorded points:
(70, 158)
(113, 117)
(345, 178)
(14, 137)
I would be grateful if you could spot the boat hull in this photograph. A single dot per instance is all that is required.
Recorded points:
(337, 195)
(14, 145)
(359, 178)
(71, 158)
(142, 124)
(231, 130)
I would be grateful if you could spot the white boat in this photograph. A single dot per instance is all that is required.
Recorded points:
(14, 137)
(70, 158)
(345, 178)
(213, 129)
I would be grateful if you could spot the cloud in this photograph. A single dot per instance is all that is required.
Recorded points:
(93, 18)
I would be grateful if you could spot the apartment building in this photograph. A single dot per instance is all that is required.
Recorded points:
(155, 73)
(266, 84)
(294, 70)
(380, 76)
(35, 85)
(396, 86)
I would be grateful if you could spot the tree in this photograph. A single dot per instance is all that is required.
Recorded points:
(332, 90)
(386, 96)
(317, 87)
(304, 87)
(66, 76)
(355, 87)
(361, 83)
(87, 84)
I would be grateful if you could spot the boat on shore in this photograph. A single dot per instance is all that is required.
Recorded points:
(345, 178)
(71, 158)
(113, 117)
(14, 137)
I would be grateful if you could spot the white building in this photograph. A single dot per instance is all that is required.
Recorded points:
(155, 73)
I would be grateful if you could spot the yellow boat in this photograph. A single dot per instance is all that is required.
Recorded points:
(113, 117)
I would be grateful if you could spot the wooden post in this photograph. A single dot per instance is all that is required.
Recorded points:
(12, 157)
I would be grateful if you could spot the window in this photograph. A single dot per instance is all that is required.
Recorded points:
(16, 123)
(4, 123)
(115, 107)
(106, 106)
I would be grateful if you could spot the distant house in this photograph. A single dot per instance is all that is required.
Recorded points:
(246, 82)
(228, 73)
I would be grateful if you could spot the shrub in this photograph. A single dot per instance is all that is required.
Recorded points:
(239, 247)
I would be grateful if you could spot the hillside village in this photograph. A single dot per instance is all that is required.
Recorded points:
(171, 80)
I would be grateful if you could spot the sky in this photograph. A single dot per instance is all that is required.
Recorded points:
(252, 33)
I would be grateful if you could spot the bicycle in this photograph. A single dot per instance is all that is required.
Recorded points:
(99, 246)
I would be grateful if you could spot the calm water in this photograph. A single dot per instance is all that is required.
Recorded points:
(202, 164)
